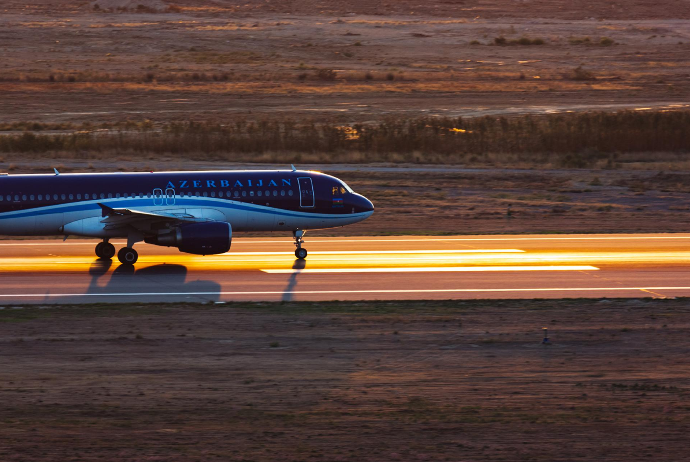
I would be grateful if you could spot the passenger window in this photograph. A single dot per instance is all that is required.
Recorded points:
(290, 192)
(31, 197)
(110, 195)
(55, 196)
(62, 196)
(282, 192)
(258, 193)
(78, 196)
(71, 197)
(244, 193)
(9, 198)
(117, 195)
(86, 196)
(2, 198)
(275, 192)
(102, 196)
(197, 193)
(237, 194)
(40, 197)
(251, 193)
(23, 197)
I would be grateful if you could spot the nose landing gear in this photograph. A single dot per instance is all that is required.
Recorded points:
(105, 250)
(300, 252)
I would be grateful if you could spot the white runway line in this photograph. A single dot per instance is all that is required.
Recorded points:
(342, 292)
(430, 269)
(382, 252)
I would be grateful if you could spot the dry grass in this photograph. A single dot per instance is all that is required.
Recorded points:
(585, 140)
(214, 84)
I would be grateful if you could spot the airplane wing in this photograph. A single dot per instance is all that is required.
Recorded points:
(144, 221)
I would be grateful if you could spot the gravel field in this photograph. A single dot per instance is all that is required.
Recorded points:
(346, 381)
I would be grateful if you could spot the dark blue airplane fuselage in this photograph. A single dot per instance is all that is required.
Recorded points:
(247, 200)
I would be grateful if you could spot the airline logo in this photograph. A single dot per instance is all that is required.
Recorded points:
(184, 184)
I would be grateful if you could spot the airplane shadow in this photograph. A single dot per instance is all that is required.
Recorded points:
(292, 282)
(156, 279)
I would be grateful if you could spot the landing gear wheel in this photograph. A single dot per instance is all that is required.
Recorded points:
(127, 256)
(99, 249)
(107, 251)
(301, 253)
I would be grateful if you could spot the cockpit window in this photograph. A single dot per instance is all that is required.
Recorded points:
(347, 188)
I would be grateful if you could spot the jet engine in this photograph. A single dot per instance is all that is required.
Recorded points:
(197, 238)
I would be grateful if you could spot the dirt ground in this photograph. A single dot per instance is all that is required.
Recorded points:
(347, 381)
(521, 201)
(213, 60)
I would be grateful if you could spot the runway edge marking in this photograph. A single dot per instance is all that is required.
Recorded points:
(318, 292)
(429, 269)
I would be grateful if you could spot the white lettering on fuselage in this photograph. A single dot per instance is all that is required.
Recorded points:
(185, 184)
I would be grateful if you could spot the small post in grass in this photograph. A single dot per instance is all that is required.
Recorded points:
(545, 340)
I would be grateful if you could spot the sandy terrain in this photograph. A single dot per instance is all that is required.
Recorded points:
(385, 381)
(66, 61)
(520, 201)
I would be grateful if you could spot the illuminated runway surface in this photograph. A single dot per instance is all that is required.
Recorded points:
(357, 268)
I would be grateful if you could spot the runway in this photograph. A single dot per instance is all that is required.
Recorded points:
(354, 268)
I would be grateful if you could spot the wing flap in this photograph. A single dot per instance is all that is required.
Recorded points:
(116, 218)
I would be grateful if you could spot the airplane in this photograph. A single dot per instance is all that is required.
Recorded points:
(195, 211)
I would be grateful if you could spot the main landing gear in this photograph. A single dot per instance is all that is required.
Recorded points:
(300, 252)
(127, 256)
(106, 251)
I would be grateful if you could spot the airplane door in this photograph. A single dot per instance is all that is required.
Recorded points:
(306, 192)
(169, 196)
(158, 196)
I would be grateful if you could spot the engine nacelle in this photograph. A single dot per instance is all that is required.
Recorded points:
(197, 238)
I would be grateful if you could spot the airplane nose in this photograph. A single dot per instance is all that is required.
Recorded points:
(362, 204)
(369, 207)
